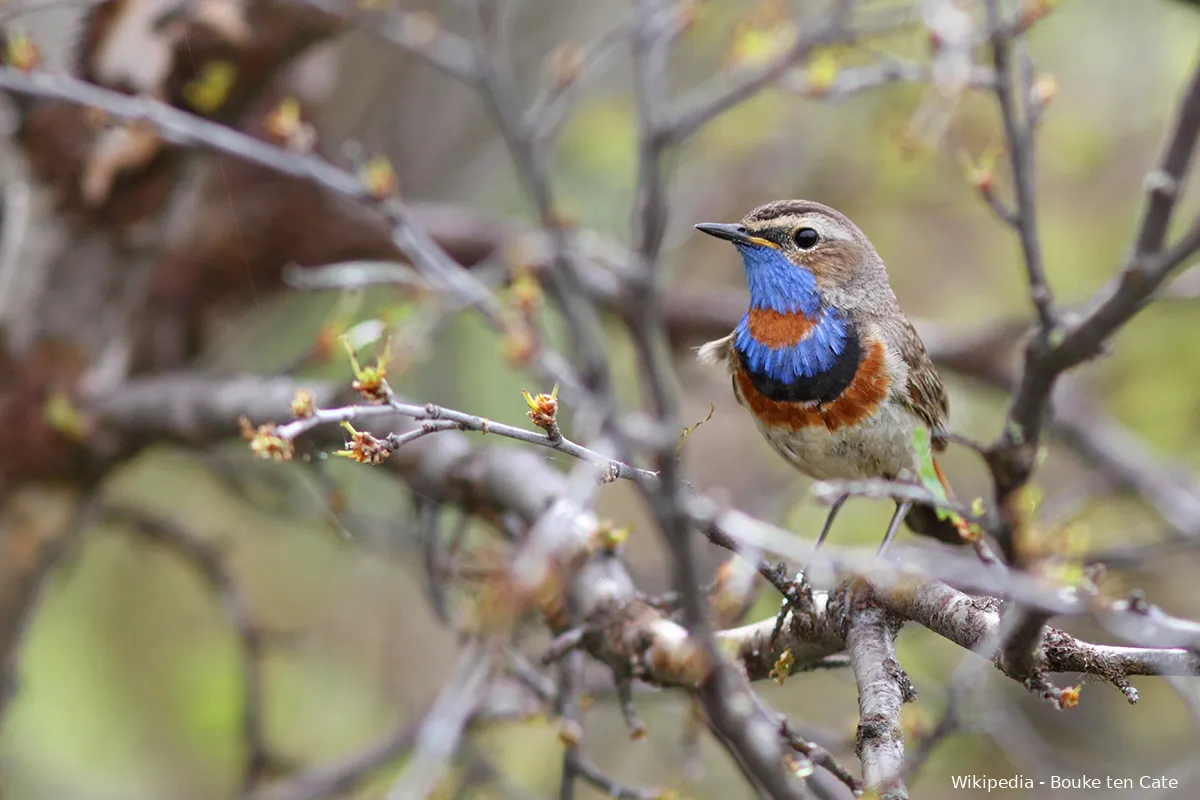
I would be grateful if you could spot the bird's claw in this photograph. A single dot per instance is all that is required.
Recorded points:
(797, 593)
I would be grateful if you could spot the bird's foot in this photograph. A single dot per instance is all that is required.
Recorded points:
(797, 595)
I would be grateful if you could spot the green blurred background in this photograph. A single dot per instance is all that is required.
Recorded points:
(129, 684)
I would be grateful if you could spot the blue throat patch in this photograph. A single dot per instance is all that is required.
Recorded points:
(776, 284)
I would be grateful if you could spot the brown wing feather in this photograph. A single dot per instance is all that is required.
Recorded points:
(926, 393)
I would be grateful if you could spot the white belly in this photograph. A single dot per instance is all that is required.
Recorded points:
(880, 446)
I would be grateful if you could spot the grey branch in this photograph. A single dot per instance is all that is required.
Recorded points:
(207, 559)
(1019, 131)
(439, 734)
(1149, 263)
(197, 409)
(883, 688)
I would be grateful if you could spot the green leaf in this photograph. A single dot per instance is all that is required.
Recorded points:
(926, 471)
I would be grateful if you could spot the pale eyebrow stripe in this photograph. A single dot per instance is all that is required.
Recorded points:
(826, 226)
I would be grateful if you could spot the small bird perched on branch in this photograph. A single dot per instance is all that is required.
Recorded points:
(825, 361)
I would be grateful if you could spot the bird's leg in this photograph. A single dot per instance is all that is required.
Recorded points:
(793, 595)
(828, 526)
(902, 510)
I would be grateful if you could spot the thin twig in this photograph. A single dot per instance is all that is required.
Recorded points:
(819, 756)
(210, 562)
(184, 129)
(439, 418)
(1019, 134)
(707, 102)
(414, 31)
(541, 685)
(339, 777)
(1149, 264)
(499, 93)
(549, 109)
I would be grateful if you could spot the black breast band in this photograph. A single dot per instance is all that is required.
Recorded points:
(824, 387)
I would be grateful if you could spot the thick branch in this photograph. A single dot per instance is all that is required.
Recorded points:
(973, 621)
(883, 688)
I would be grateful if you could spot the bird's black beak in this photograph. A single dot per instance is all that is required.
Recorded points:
(730, 232)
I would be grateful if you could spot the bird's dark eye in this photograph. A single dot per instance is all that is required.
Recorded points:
(806, 238)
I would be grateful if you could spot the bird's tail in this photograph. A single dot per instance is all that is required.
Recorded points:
(924, 520)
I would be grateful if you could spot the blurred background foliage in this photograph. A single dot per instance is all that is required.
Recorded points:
(129, 683)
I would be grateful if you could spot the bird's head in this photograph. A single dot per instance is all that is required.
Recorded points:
(795, 251)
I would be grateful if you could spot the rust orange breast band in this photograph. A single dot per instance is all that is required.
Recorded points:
(777, 330)
(866, 392)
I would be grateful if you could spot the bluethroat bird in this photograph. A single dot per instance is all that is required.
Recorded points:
(833, 373)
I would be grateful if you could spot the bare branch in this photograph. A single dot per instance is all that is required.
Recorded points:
(820, 756)
(342, 776)
(968, 621)
(1019, 134)
(438, 736)
(38, 526)
(439, 419)
(883, 688)
(207, 559)
(498, 91)
(580, 765)
(185, 129)
(417, 32)
(507, 700)
(1150, 262)
(708, 102)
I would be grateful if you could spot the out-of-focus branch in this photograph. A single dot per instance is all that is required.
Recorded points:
(708, 102)
(438, 736)
(260, 758)
(185, 129)
(38, 525)
(507, 700)
(1105, 445)
(338, 778)
(570, 71)
(569, 706)
(1139, 621)
(529, 675)
(499, 93)
(748, 731)
(656, 30)
(417, 32)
